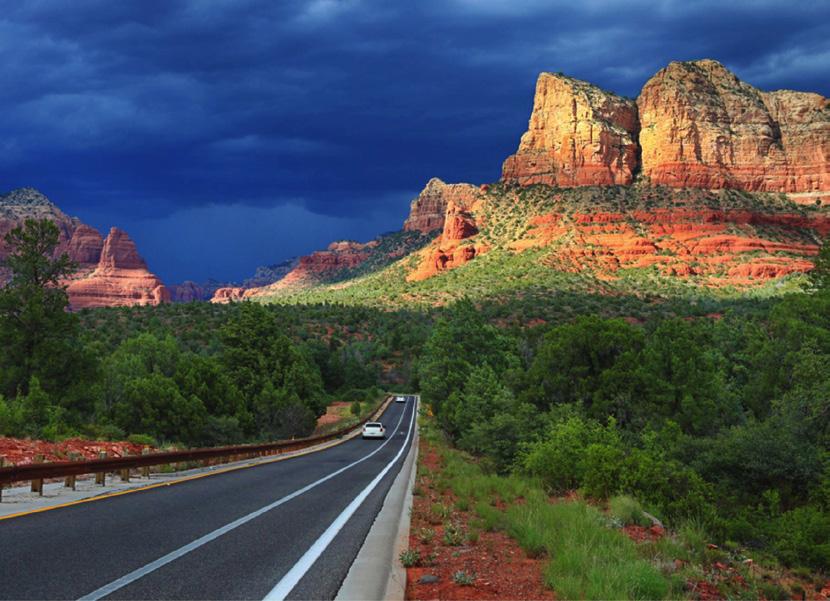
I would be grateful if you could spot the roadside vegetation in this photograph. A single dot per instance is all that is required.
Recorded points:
(712, 415)
(723, 423)
(195, 374)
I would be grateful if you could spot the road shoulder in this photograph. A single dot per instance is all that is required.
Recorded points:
(376, 572)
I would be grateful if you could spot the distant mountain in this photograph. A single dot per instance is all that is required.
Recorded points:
(110, 270)
(702, 185)
(190, 291)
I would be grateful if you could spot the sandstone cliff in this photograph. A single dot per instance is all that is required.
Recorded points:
(459, 223)
(703, 127)
(121, 278)
(427, 211)
(579, 135)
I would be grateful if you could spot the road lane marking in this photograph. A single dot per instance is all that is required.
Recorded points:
(296, 573)
(203, 540)
(118, 493)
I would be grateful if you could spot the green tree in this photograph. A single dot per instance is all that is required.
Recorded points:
(39, 337)
(820, 275)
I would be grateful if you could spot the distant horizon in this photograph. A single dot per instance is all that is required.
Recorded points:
(321, 120)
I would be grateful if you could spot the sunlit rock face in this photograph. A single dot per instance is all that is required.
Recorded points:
(121, 278)
(579, 135)
(703, 127)
(428, 210)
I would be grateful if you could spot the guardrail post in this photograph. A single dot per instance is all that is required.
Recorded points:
(125, 473)
(145, 471)
(101, 477)
(37, 484)
(69, 481)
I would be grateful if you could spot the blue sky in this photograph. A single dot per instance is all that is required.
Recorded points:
(225, 134)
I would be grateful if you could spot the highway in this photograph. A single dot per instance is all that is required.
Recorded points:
(288, 529)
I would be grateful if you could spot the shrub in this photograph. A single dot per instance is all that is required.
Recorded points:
(143, 439)
(425, 535)
(802, 538)
(410, 558)
(463, 578)
(453, 534)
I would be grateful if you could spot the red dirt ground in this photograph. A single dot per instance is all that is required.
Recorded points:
(333, 414)
(500, 567)
(20, 451)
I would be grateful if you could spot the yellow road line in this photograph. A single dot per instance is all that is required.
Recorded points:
(234, 468)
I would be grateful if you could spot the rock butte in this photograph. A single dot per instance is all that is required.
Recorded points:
(695, 124)
(579, 135)
(120, 279)
(703, 127)
(110, 272)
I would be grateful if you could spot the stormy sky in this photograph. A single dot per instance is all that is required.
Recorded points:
(225, 134)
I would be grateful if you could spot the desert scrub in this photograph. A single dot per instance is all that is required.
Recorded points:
(410, 558)
(438, 512)
(425, 535)
(453, 534)
(463, 578)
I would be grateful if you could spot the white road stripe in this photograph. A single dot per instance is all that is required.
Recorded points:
(203, 540)
(295, 574)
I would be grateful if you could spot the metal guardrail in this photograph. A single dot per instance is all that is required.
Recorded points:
(37, 472)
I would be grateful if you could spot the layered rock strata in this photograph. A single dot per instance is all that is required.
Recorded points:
(121, 278)
(703, 127)
(579, 135)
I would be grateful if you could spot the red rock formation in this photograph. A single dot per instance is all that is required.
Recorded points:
(226, 295)
(579, 135)
(121, 278)
(720, 247)
(428, 210)
(109, 272)
(451, 248)
(85, 246)
(703, 127)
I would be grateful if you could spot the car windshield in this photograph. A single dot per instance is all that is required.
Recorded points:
(374, 425)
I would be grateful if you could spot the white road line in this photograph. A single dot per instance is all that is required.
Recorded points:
(203, 540)
(295, 574)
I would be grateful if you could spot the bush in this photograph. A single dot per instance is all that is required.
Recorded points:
(802, 538)
(410, 558)
(577, 451)
(356, 408)
(143, 439)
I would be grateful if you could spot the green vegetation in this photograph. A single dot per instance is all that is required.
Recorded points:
(530, 278)
(194, 374)
(586, 558)
(722, 422)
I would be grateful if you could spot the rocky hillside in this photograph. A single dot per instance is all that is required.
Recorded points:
(110, 270)
(702, 185)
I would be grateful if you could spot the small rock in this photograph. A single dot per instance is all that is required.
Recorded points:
(428, 579)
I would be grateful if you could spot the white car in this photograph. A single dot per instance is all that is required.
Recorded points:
(400, 399)
(374, 430)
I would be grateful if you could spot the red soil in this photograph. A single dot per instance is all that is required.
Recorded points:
(333, 414)
(20, 451)
(500, 567)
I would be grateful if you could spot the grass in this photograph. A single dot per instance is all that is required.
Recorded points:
(586, 557)
(628, 511)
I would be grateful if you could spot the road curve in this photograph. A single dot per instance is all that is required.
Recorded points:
(288, 529)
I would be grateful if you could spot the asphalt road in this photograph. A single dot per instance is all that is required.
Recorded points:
(236, 535)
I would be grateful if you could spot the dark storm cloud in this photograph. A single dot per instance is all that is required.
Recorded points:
(159, 112)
